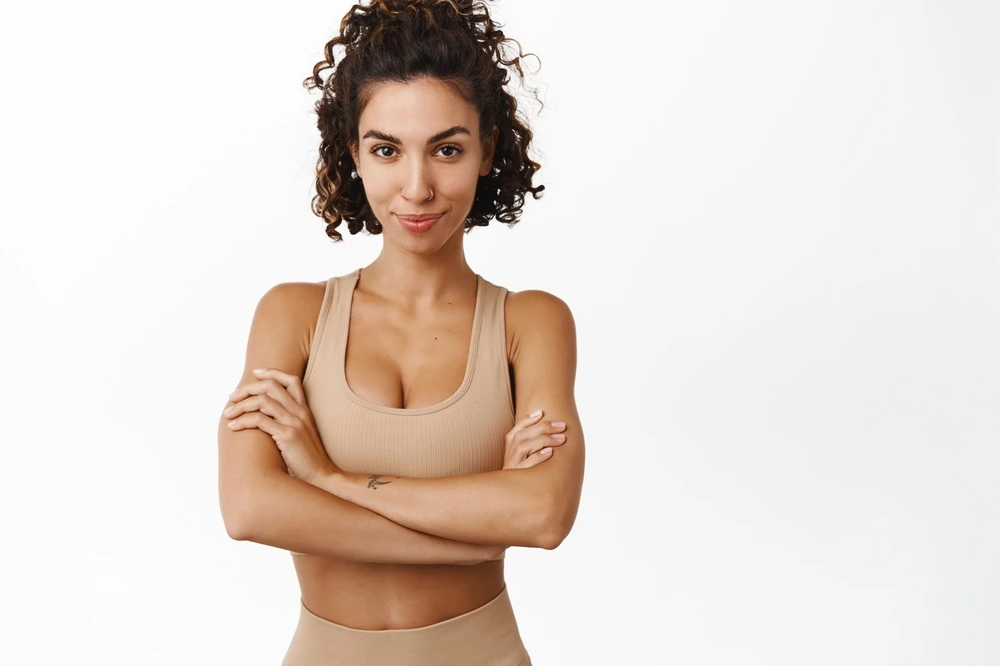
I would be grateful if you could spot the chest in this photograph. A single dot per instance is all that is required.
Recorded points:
(406, 361)
(423, 397)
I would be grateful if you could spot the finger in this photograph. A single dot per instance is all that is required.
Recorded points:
(526, 421)
(255, 388)
(274, 389)
(292, 383)
(255, 420)
(544, 428)
(540, 432)
(240, 406)
(536, 458)
(555, 439)
(532, 446)
(268, 406)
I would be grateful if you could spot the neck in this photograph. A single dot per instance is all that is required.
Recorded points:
(420, 280)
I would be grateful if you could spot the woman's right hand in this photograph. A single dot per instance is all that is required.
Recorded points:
(530, 441)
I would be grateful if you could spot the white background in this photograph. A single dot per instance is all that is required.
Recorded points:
(776, 224)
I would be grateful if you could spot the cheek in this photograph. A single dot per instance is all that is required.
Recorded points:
(377, 189)
(460, 184)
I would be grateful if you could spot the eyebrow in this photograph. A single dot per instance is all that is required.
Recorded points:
(451, 131)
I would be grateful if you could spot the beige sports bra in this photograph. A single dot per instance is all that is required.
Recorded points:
(463, 434)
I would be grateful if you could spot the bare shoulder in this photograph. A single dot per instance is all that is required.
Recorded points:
(286, 316)
(291, 297)
(293, 303)
(535, 303)
(536, 315)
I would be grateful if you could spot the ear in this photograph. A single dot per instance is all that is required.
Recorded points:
(355, 156)
(489, 150)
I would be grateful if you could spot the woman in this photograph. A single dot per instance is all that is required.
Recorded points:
(398, 427)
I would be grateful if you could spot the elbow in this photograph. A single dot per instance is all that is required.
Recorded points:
(237, 515)
(246, 507)
(549, 540)
(555, 528)
(236, 527)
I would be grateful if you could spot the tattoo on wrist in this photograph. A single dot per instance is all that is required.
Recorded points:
(374, 483)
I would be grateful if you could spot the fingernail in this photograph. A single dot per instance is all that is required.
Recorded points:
(257, 371)
(231, 424)
(535, 413)
(227, 409)
(546, 451)
(558, 424)
(558, 435)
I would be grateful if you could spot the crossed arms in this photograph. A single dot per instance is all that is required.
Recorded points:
(453, 520)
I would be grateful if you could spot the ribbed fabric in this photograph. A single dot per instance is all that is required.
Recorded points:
(463, 434)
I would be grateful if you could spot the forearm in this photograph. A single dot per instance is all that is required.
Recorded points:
(506, 507)
(285, 512)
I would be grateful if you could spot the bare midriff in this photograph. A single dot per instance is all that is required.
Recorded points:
(364, 595)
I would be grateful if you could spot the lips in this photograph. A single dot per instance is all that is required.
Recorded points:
(418, 223)
(419, 218)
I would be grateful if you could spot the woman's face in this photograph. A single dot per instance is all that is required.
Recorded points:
(416, 138)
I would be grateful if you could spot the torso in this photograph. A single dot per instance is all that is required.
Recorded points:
(362, 595)
(385, 363)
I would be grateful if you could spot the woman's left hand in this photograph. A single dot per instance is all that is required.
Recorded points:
(276, 404)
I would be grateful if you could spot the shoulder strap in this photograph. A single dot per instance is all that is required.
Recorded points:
(323, 349)
(492, 369)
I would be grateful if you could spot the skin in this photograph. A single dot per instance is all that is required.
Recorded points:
(413, 308)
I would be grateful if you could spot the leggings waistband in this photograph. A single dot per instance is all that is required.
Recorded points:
(485, 636)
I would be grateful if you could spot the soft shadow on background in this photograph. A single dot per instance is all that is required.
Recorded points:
(778, 228)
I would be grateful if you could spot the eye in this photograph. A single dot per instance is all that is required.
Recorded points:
(381, 147)
(457, 149)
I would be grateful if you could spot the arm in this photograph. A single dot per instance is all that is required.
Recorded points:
(533, 507)
(261, 502)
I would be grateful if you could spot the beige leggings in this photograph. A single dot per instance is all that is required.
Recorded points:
(485, 636)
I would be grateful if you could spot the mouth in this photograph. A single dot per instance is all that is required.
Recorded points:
(419, 218)
(419, 223)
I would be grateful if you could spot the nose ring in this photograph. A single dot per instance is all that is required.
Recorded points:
(432, 194)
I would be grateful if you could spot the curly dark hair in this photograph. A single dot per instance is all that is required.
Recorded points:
(454, 41)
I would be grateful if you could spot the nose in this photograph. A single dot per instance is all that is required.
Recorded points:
(417, 186)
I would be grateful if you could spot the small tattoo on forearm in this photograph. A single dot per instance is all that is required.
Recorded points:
(374, 482)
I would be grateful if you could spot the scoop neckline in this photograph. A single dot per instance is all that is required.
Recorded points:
(470, 362)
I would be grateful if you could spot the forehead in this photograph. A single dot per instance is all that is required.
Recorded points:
(416, 109)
